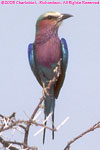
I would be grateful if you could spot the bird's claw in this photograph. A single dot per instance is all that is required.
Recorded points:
(45, 90)
(42, 106)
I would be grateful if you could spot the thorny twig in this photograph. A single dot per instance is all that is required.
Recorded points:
(19, 123)
(10, 122)
(9, 144)
(95, 126)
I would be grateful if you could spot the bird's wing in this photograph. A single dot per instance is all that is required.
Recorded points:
(32, 61)
(64, 63)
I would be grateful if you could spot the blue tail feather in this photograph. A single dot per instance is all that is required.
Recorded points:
(49, 104)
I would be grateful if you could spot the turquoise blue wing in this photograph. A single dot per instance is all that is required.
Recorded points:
(64, 64)
(64, 54)
(32, 61)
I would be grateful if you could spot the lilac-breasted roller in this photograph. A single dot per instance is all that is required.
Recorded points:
(44, 55)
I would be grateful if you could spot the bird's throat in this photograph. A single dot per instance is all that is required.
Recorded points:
(43, 36)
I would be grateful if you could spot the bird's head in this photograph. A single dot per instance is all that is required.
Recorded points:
(50, 20)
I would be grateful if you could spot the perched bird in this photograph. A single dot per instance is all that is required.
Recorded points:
(44, 55)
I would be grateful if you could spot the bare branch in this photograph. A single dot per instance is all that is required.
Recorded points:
(16, 123)
(30, 121)
(95, 126)
(6, 144)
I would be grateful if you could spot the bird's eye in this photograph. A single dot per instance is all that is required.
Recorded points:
(49, 17)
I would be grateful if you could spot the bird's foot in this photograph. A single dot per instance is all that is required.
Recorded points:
(45, 90)
(57, 69)
(42, 106)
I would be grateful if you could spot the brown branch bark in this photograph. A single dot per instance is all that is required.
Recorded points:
(20, 122)
(30, 121)
(6, 144)
(16, 123)
(95, 126)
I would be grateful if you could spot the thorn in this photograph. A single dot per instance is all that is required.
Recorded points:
(62, 123)
(9, 146)
(47, 118)
(37, 116)
(39, 131)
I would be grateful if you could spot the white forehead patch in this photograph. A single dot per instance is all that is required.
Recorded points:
(56, 14)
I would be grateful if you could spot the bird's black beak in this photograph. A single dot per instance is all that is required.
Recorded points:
(65, 16)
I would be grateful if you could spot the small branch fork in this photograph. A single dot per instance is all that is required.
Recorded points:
(94, 127)
(23, 126)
